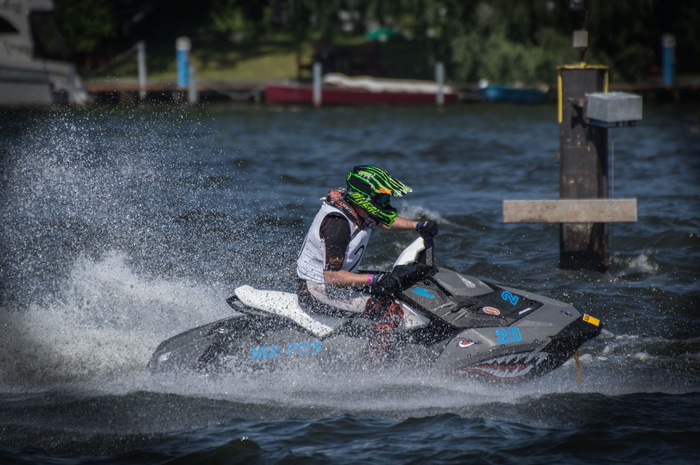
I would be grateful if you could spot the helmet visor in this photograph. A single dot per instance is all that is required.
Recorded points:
(381, 199)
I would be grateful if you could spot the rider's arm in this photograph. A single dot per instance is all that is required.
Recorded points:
(335, 232)
(400, 224)
(343, 278)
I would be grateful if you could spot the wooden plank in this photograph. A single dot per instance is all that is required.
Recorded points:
(570, 211)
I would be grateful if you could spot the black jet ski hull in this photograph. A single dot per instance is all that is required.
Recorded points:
(452, 323)
(249, 343)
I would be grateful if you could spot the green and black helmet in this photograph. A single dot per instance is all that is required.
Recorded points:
(371, 188)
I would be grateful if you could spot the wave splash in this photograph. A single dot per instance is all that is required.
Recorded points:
(104, 322)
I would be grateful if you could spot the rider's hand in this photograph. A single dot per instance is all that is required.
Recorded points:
(428, 228)
(387, 284)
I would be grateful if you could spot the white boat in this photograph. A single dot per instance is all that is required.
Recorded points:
(33, 58)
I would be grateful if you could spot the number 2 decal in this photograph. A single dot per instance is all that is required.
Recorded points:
(508, 297)
(506, 335)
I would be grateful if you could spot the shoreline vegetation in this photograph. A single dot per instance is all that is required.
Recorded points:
(495, 40)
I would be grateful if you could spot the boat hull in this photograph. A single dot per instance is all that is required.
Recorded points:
(507, 94)
(303, 94)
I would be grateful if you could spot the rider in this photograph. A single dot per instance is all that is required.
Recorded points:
(337, 239)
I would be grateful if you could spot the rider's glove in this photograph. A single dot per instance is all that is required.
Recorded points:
(387, 284)
(428, 228)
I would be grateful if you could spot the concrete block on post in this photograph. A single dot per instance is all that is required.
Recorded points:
(613, 109)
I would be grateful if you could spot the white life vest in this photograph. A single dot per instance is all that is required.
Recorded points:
(312, 258)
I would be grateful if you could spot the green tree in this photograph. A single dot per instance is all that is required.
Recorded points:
(85, 24)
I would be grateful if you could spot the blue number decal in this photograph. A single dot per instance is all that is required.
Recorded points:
(504, 336)
(515, 335)
(508, 297)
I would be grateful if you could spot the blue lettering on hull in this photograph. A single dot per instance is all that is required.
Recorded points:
(293, 349)
(423, 292)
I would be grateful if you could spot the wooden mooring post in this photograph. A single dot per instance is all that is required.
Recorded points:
(583, 169)
(586, 110)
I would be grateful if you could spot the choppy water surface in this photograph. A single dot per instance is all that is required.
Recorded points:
(123, 226)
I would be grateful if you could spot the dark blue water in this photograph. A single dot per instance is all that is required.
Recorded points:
(123, 226)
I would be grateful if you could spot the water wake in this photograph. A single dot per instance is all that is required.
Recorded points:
(104, 321)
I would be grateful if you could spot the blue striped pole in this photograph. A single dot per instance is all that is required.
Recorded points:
(668, 58)
(183, 46)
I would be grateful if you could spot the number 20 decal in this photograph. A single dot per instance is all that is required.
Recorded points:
(506, 335)
(508, 297)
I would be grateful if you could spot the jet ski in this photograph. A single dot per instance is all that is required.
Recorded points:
(453, 323)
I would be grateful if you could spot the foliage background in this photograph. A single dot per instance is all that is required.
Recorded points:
(498, 40)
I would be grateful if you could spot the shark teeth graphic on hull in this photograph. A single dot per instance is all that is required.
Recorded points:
(508, 367)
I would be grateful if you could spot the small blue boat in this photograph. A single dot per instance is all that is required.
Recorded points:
(513, 94)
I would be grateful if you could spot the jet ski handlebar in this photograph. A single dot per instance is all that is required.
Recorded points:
(427, 257)
(416, 262)
(419, 251)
